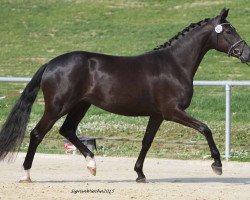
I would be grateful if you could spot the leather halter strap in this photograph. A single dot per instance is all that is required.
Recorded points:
(218, 29)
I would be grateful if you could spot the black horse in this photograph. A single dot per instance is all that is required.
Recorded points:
(158, 84)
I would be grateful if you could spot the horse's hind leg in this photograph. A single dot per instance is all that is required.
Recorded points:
(36, 137)
(68, 130)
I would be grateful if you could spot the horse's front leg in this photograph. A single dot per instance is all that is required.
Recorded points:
(181, 117)
(152, 127)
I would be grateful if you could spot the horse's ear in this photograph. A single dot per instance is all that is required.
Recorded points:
(223, 14)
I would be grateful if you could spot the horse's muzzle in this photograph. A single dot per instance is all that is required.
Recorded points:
(241, 51)
(245, 55)
(245, 60)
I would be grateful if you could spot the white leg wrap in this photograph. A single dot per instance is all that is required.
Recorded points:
(91, 165)
(91, 162)
(26, 177)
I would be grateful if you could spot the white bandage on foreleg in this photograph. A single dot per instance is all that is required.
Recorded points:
(26, 176)
(91, 162)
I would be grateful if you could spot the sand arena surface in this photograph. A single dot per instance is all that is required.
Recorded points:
(66, 177)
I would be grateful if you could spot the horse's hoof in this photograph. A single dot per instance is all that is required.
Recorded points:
(92, 170)
(141, 180)
(217, 170)
(91, 165)
(25, 180)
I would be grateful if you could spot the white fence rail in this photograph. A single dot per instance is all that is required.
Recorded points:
(226, 84)
(14, 79)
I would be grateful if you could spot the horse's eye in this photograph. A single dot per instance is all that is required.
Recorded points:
(228, 31)
(236, 51)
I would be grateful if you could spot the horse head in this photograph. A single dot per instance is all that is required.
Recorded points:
(226, 39)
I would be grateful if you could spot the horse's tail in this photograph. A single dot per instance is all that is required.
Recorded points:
(13, 130)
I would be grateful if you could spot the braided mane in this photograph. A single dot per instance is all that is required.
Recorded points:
(182, 33)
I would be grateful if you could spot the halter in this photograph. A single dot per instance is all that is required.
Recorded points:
(235, 45)
(218, 29)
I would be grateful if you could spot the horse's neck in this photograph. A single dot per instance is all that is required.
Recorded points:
(190, 50)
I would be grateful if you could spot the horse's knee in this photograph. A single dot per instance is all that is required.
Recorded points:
(64, 132)
(205, 130)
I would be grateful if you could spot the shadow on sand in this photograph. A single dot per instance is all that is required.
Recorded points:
(228, 180)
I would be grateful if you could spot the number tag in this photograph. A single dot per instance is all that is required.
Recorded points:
(218, 29)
